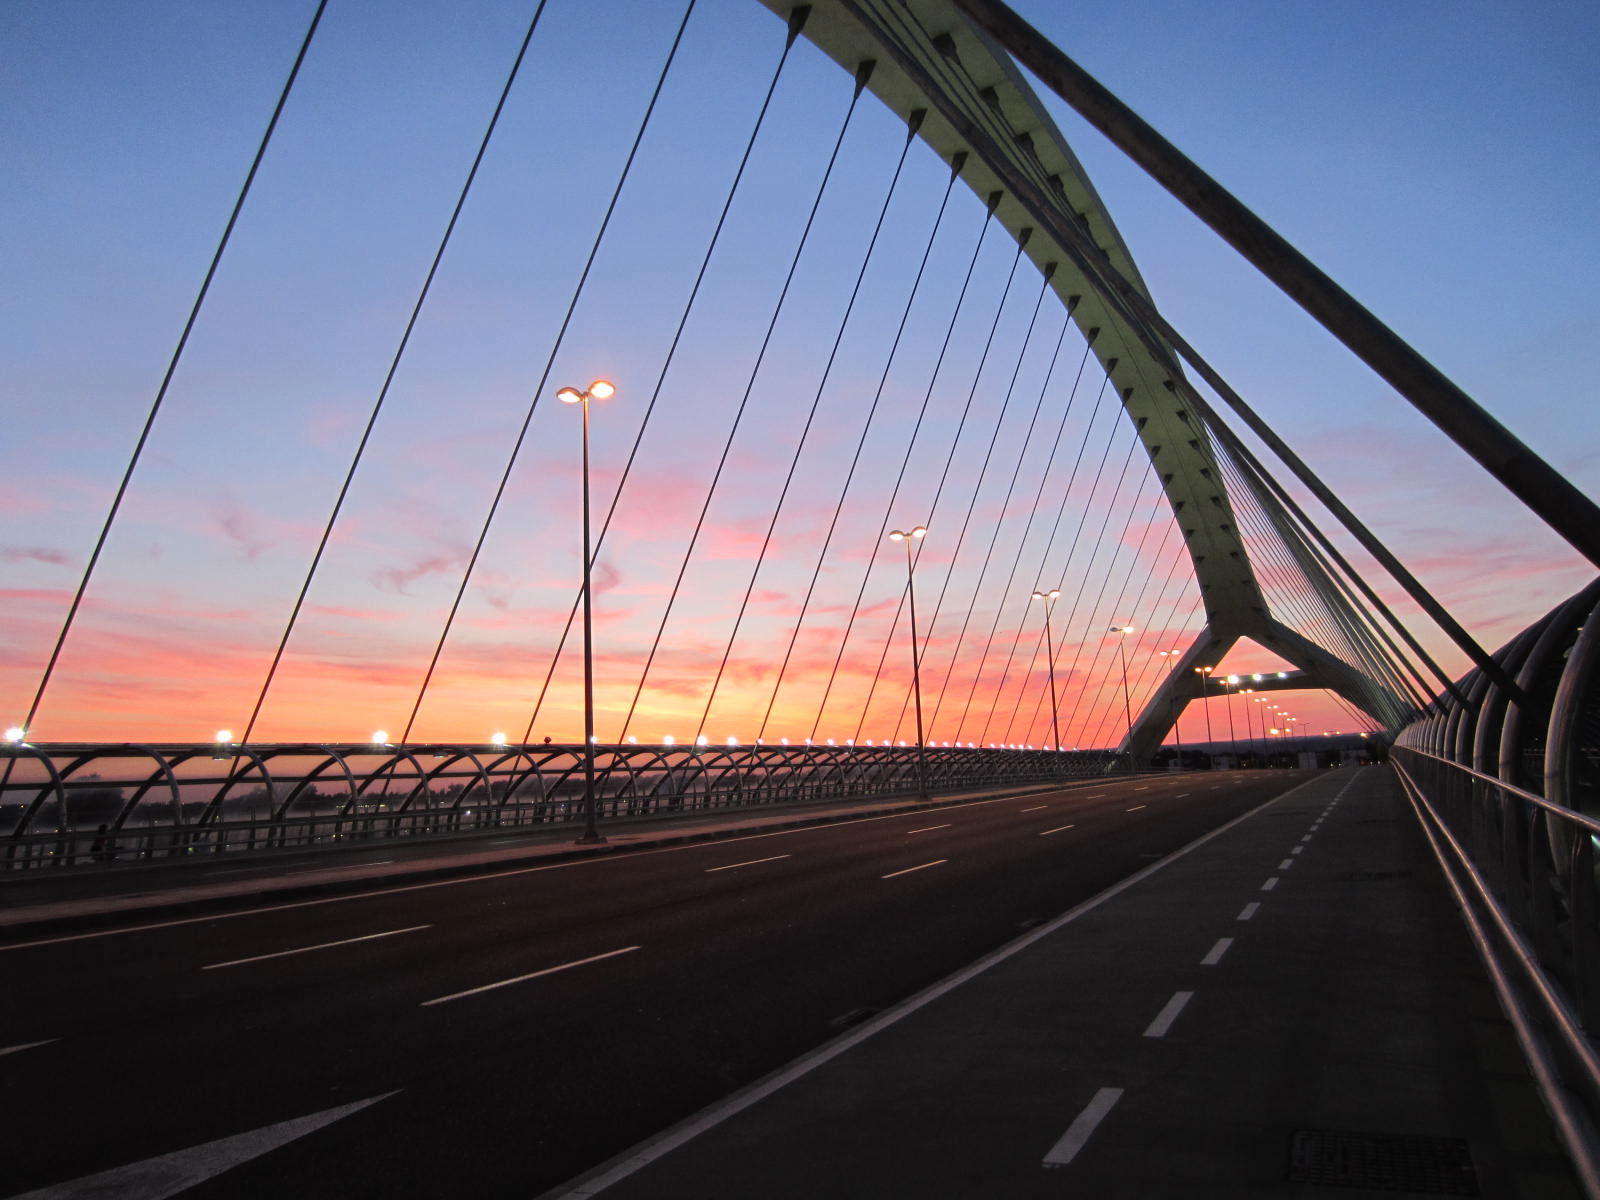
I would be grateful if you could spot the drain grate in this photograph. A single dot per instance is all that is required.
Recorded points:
(1431, 1166)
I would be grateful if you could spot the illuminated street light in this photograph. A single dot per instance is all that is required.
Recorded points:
(497, 738)
(1049, 599)
(1205, 704)
(380, 737)
(600, 389)
(915, 534)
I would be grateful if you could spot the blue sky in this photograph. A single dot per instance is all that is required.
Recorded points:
(1436, 159)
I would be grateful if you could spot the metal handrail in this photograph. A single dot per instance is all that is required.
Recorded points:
(1566, 814)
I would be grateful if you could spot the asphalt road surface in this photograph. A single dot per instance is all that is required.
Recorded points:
(498, 1034)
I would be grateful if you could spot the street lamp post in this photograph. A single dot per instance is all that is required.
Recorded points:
(1172, 657)
(1205, 703)
(598, 390)
(1122, 632)
(1228, 684)
(900, 535)
(1049, 599)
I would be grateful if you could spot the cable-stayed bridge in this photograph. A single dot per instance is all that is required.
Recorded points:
(905, 306)
(904, 485)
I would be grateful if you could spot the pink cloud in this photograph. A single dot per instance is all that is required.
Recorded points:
(43, 554)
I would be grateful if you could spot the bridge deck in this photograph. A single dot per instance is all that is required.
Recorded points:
(1293, 996)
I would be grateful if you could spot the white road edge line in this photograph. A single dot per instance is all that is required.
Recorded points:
(489, 987)
(908, 870)
(1249, 910)
(26, 1046)
(367, 937)
(747, 863)
(1168, 1014)
(1082, 1129)
(1214, 955)
(1057, 829)
(929, 828)
(638, 1157)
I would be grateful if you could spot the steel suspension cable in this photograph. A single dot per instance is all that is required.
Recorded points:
(1027, 531)
(388, 379)
(972, 504)
(955, 442)
(1077, 599)
(816, 400)
(883, 378)
(1055, 529)
(544, 375)
(172, 367)
(1016, 471)
(993, 203)
(862, 74)
(1110, 570)
(796, 22)
(1061, 511)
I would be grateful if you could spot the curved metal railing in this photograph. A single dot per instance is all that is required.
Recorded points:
(71, 804)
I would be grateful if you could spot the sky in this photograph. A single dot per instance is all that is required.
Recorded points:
(1434, 158)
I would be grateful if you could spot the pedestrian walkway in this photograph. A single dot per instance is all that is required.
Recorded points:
(50, 898)
(1288, 1007)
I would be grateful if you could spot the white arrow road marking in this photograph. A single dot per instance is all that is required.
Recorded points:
(168, 1174)
(26, 1046)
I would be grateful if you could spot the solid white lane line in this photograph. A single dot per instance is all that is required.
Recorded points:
(368, 937)
(1082, 1129)
(489, 987)
(1136, 808)
(1035, 808)
(1270, 884)
(1168, 1014)
(749, 862)
(908, 870)
(1286, 864)
(1249, 910)
(930, 828)
(1057, 829)
(1214, 955)
(26, 1046)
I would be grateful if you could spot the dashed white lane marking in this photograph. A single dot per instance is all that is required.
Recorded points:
(1168, 1014)
(749, 862)
(930, 828)
(489, 987)
(1270, 884)
(1082, 1129)
(1137, 807)
(1141, 789)
(367, 937)
(1057, 829)
(26, 1046)
(1297, 850)
(1286, 864)
(1215, 786)
(1305, 839)
(1096, 796)
(1249, 910)
(1180, 795)
(1214, 955)
(921, 867)
(1035, 808)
